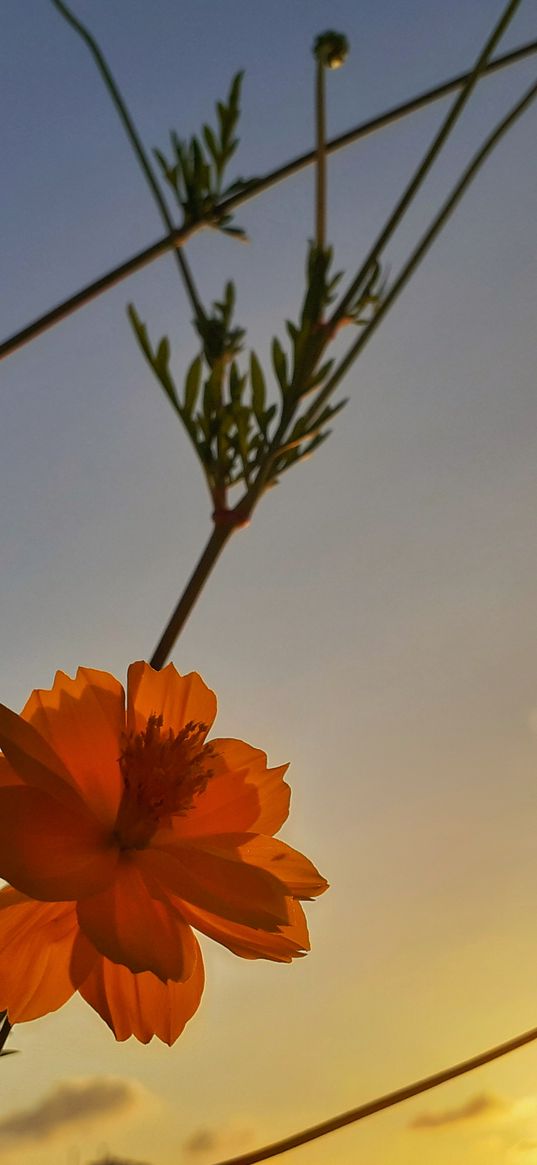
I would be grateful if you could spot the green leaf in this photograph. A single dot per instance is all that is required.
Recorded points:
(159, 361)
(242, 417)
(229, 298)
(325, 370)
(169, 172)
(240, 184)
(237, 232)
(162, 357)
(221, 110)
(292, 330)
(198, 162)
(205, 428)
(318, 440)
(267, 417)
(141, 332)
(192, 385)
(211, 143)
(160, 365)
(257, 380)
(236, 383)
(318, 378)
(280, 364)
(235, 91)
(231, 149)
(314, 422)
(212, 394)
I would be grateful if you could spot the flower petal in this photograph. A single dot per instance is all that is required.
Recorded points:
(242, 794)
(34, 762)
(178, 699)
(82, 720)
(289, 942)
(218, 881)
(8, 775)
(129, 925)
(298, 875)
(49, 851)
(36, 943)
(141, 1004)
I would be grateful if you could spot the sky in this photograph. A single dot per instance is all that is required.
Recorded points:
(374, 625)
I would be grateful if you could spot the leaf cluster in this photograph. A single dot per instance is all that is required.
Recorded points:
(197, 167)
(306, 372)
(222, 408)
(235, 432)
(220, 340)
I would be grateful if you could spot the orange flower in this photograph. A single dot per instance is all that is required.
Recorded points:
(120, 830)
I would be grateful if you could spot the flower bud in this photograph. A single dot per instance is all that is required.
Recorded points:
(331, 49)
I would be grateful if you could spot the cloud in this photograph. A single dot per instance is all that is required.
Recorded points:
(217, 1140)
(108, 1160)
(114, 1161)
(70, 1103)
(485, 1105)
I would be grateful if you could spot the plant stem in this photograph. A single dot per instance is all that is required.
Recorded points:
(430, 157)
(425, 243)
(136, 143)
(179, 236)
(389, 1100)
(221, 533)
(247, 504)
(320, 172)
(5, 1028)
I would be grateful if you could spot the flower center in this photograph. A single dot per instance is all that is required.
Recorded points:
(162, 774)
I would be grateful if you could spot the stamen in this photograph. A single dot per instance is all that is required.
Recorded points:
(162, 774)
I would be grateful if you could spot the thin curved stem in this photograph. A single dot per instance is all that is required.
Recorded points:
(178, 237)
(320, 172)
(92, 290)
(5, 1028)
(428, 161)
(425, 243)
(213, 549)
(136, 143)
(389, 1100)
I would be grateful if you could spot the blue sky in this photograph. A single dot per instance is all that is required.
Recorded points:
(375, 623)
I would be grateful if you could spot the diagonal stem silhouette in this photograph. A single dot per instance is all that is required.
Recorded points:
(178, 237)
(136, 143)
